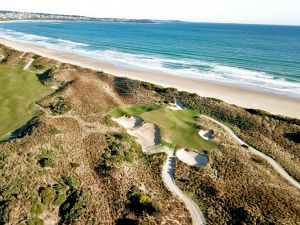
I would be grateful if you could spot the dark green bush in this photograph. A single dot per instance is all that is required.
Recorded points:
(149, 86)
(140, 203)
(46, 77)
(47, 195)
(35, 56)
(4, 211)
(125, 86)
(120, 147)
(60, 106)
(46, 162)
(60, 198)
(295, 137)
(37, 209)
(35, 221)
(128, 157)
(70, 181)
(73, 208)
(281, 118)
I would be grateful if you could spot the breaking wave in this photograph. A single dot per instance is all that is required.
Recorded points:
(195, 69)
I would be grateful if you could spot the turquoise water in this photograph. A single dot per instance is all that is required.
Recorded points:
(251, 56)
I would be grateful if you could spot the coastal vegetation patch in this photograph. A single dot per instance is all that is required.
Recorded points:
(120, 147)
(236, 187)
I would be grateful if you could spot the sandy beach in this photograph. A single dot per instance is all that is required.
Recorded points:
(275, 104)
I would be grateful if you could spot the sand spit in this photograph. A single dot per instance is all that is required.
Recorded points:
(129, 122)
(207, 134)
(191, 157)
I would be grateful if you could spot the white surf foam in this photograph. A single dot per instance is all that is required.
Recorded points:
(196, 69)
(53, 43)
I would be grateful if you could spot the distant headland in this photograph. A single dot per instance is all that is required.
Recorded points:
(14, 15)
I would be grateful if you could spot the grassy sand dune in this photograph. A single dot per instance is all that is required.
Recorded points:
(18, 91)
(79, 167)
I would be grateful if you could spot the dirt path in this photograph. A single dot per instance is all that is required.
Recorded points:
(148, 136)
(29, 63)
(168, 179)
(275, 164)
(167, 172)
(22, 57)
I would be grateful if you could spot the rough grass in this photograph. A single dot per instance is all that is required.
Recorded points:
(235, 188)
(18, 91)
(238, 187)
(82, 140)
(178, 128)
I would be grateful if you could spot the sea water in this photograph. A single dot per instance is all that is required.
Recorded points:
(261, 57)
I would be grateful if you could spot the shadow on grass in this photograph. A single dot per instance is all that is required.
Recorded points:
(24, 130)
(45, 76)
(295, 137)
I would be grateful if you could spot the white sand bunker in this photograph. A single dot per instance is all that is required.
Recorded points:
(207, 134)
(177, 105)
(191, 157)
(148, 135)
(129, 122)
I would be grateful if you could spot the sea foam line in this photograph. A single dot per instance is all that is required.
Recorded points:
(191, 68)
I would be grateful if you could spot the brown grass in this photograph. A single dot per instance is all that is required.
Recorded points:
(77, 138)
(235, 188)
(238, 187)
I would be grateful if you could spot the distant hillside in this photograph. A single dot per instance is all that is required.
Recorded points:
(11, 15)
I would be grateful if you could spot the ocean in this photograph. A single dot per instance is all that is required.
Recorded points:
(260, 57)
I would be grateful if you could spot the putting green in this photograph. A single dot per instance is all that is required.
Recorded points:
(18, 91)
(178, 128)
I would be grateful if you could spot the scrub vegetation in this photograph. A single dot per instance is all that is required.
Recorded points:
(74, 165)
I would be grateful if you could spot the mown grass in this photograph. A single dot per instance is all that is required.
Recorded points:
(135, 110)
(18, 91)
(178, 128)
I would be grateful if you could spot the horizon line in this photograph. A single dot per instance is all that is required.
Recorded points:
(153, 19)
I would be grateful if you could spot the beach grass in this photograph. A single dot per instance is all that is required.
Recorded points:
(19, 90)
(178, 128)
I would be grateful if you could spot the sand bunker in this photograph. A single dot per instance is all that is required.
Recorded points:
(177, 105)
(191, 157)
(129, 122)
(148, 135)
(207, 134)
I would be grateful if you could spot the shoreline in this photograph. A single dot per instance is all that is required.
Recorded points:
(275, 104)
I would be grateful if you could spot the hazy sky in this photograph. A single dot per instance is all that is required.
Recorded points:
(226, 11)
